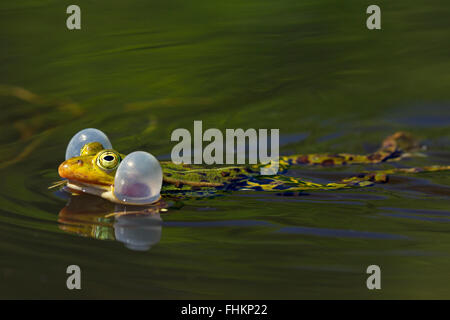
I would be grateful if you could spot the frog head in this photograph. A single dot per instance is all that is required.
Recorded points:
(132, 179)
(95, 168)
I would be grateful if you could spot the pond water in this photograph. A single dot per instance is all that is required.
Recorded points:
(138, 70)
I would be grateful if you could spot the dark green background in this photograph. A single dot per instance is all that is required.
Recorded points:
(137, 70)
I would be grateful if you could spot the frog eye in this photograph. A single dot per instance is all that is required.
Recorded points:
(108, 159)
(138, 179)
(84, 137)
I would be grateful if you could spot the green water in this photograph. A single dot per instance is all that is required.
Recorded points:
(137, 70)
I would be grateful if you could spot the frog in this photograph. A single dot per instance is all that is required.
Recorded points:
(94, 170)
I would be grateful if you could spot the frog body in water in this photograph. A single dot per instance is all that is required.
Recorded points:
(94, 171)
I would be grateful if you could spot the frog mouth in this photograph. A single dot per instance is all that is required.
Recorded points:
(67, 170)
(86, 187)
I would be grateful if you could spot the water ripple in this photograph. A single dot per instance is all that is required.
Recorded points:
(339, 233)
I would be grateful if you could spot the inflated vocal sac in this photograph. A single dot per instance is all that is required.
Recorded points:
(86, 136)
(138, 179)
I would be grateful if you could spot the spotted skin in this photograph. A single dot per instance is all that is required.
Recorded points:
(181, 181)
(394, 148)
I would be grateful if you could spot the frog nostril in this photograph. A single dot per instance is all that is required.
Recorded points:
(80, 162)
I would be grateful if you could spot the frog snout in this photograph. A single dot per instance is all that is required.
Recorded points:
(66, 169)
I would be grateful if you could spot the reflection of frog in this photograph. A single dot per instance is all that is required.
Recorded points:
(91, 168)
(138, 227)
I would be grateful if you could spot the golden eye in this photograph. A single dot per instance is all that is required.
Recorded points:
(108, 160)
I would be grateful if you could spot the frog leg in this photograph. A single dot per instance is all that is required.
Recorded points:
(291, 184)
(283, 183)
(393, 148)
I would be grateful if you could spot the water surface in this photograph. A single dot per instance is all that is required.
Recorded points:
(140, 69)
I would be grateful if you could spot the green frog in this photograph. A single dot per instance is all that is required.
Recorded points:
(96, 168)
